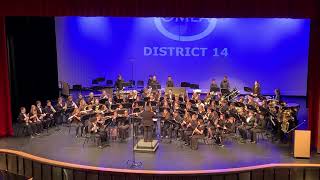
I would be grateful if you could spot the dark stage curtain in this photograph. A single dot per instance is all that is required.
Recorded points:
(193, 8)
(5, 105)
(314, 83)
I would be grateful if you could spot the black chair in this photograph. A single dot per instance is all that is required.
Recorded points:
(132, 83)
(100, 79)
(77, 87)
(194, 86)
(20, 129)
(95, 81)
(109, 83)
(185, 84)
(140, 84)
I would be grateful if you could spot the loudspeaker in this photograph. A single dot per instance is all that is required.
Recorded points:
(302, 143)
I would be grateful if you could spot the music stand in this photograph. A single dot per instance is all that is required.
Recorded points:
(133, 163)
(114, 106)
(247, 89)
(225, 92)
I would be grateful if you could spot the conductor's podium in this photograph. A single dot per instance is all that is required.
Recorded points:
(142, 146)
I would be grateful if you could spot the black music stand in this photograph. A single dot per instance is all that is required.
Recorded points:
(133, 163)
(247, 89)
(225, 92)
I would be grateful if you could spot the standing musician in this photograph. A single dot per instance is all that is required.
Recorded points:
(225, 83)
(149, 84)
(214, 86)
(277, 95)
(169, 82)
(256, 90)
(147, 123)
(119, 83)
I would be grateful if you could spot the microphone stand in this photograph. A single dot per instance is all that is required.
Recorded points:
(133, 163)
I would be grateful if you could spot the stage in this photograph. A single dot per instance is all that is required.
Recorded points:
(65, 147)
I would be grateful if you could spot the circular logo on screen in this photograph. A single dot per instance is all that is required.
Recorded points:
(185, 29)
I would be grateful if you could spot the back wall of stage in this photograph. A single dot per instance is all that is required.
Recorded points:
(273, 51)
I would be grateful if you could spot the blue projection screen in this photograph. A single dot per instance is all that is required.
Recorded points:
(273, 51)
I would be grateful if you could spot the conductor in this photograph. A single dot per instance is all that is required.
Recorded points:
(147, 123)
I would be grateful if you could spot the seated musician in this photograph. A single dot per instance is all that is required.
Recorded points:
(124, 124)
(201, 110)
(195, 96)
(83, 106)
(223, 106)
(42, 115)
(119, 83)
(104, 95)
(50, 112)
(219, 129)
(169, 82)
(33, 116)
(170, 96)
(190, 127)
(256, 90)
(246, 126)
(98, 130)
(166, 125)
(225, 83)
(211, 117)
(99, 108)
(113, 126)
(197, 133)
(109, 103)
(70, 103)
(75, 119)
(90, 99)
(258, 126)
(61, 108)
(178, 120)
(24, 120)
(80, 98)
(214, 86)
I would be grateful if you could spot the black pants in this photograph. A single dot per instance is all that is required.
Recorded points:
(187, 136)
(243, 132)
(147, 133)
(123, 130)
(253, 133)
(100, 137)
